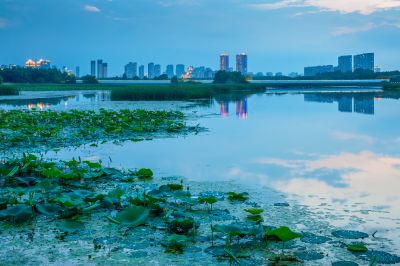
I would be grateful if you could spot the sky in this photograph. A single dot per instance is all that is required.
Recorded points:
(278, 35)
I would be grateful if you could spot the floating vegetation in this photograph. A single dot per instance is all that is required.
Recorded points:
(358, 247)
(116, 210)
(344, 263)
(349, 234)
(380, 257)
(313, 239)
(50, 129)
(309, 255)
(233, 196)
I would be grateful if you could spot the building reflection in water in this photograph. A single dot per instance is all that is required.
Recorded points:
(241, 108)
(224, 108)
(64, 101)
(362, 104)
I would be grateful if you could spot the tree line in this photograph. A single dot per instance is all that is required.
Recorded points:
(35, 75)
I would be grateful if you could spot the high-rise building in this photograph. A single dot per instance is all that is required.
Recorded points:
(315, 70)
(157, 70)
(99, 69)
(141, 71)
(77, 72)
(224, 62)
(241, 63)
(131, 70)
(150, 70)
(345, 63)
(180, 70)
(93, 68)
(364, 61)
(104, 70)
(170, 71)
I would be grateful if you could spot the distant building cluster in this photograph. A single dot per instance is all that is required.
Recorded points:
(133, 71)
(99, 69)
(346, 63)
(241, 63)
(41, 64)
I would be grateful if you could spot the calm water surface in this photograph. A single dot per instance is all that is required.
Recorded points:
(338, 153)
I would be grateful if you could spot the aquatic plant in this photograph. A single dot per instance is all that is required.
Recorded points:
(208, 200)
(34, 129)
(174, 243)
(131, 217)
(144, 173)
(358, 247)
(233, 196)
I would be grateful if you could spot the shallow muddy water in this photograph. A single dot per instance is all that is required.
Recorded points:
(336, 154)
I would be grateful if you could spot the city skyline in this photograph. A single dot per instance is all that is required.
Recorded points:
(118, 30)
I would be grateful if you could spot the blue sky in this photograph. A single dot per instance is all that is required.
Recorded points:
(278, 35)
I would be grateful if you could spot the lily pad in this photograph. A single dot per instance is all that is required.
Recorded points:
(309, 255)
(70, 226)
(48, 209)
(382, 257)
(281, 204)
(133, 216)
(17, 214)
(344, 263)
(349, 234)
(313, 239)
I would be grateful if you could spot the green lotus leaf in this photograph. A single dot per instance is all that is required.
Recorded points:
(254, 211)
(283, 233)
(144, 173)
(70, 226)
(48, 209)
(233, 196)
(357, 248)
(133, 216)
(17, 214)
(208, 200)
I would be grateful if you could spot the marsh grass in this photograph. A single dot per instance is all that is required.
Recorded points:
(8, 90)
(153, 92)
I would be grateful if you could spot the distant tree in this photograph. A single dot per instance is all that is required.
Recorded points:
(88, 79)
(223, 77)
(174, 80)
(124, 76)
(69, 78)
(1, 79)
(136, 78)
(162, 77)
(145, 78)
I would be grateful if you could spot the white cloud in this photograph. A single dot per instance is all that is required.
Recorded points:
(364, 7)
(90, 8)
(346, 136)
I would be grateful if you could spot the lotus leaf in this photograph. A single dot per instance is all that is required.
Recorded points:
(144, 173)
(133, 216)
(17, 214)
(359, 247)
(283, 233)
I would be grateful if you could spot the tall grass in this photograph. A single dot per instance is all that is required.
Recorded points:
(153, 92)
(7, 90)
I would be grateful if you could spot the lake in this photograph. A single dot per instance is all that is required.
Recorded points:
(336, 152)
